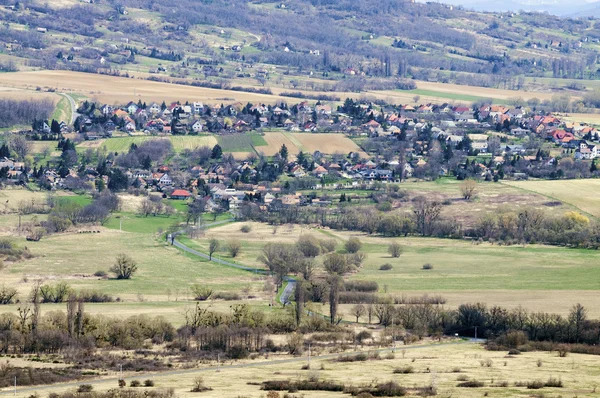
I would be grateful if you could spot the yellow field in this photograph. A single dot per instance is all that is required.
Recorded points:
(580, 193)
(275, 140)
(326, 143)
(442, 365)
(483, 91)
(590, 118)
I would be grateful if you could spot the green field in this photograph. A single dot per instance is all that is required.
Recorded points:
(180, 143)
(241, 142)
(62, 112)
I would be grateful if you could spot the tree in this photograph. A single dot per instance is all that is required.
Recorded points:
(335, 264)
(124, 267)
(395, 250)
(468, 189)
(309, 246)
(334, 290)
(353, 245)
(195, 210)
(358, 310)
(20, 146)
(234, 247)
(213, 246)
(284, 152)
(426, 212)
(217, 152)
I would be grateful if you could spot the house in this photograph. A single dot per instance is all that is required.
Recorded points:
(180, 194)
(154, 108)
(587, 151)
(196, 126)
(297, 171)
(320, 171)
(131, 107)
(107, 110)
(198, 107)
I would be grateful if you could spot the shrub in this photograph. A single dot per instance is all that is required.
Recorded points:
(234, 247)
(552, 382)
(385, 267)
(471, 384)
(246, 228)
(361, 286)
(395, 250)
(404, 370)
(199, 385)
(427, 266)
(135, 383)
(227, 296)
(535, 385)
(328, 245)
(8, 295)
(124, 266)
(149, 383)
(101, 274)
(85, 388)
(201, 292)
(514, 351)
(353, 245)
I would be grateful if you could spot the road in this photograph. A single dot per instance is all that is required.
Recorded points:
(74, 113)
(287, 291)
(145, 376)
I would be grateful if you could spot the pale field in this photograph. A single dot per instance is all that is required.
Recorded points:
(274, 142)
(437, 364)
(483, 91)
(120, 90)
(580, 193)
(591, 118)
(326, 143)
(9, 92)
(122, 144)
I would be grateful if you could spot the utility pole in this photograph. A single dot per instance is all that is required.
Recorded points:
(475, 332)
(218, 362)
(15, 386)
(309, 355)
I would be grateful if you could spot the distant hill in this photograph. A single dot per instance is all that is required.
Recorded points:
(320, 45)
(576, 8)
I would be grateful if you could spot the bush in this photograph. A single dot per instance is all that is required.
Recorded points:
(361, 286)
(85, 388)
(135, 383)
(514, 351)
(328, 245)
(227, 296)
(8, 295)
(353, 245)
(101, 274)
(404, 370)
(124, 266)
(246, 228)
(201, 292)
(535, 385)
(149, 383)
(427, 266)
(552, 382)
(395, 250)
(199, 385)
(385, 267)
(471, 384)
(234, 247)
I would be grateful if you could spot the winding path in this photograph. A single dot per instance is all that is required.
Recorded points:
(284, 298)
(74, 113)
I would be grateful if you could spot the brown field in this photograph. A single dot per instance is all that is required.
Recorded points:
(483, 91)
(24, 94)
(326, 143)
(111, 90)
(275, 140)
(591, 118)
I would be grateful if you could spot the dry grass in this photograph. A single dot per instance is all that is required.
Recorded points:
(432, 364)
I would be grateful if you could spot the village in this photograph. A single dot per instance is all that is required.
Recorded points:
(484, 142)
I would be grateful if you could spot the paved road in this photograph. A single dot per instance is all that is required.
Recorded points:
(144, 376)
(74, 113)
(287, 291)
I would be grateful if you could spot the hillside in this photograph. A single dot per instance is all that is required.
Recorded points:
(300, 44)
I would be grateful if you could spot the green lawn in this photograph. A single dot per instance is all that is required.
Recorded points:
(236, 143)
(131, 222)
(82, 200)
(62, 112)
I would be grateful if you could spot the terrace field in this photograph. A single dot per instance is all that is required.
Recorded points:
(122, 144)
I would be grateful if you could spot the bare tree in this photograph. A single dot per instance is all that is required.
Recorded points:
(468, 189)
(358, 310)
(234, 247)
(426, 212)
(124, 266)
(395, 250)
(20, 146)
(213, 246)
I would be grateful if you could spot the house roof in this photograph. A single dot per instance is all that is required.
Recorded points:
(181, 192)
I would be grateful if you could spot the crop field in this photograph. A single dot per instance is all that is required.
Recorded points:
(442, 365)
(245, 143)
(580, 193)
(120, 90)
(122, 144)
(544, 278)
(326, 143)
(274, 142)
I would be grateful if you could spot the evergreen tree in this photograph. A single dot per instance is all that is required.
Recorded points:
(284, 152)
(217, 152)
